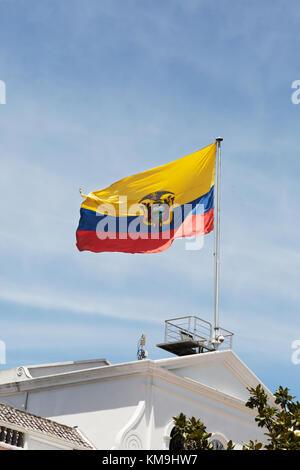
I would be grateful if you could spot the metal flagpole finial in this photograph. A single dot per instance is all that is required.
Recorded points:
(81, 193)
(219, 139)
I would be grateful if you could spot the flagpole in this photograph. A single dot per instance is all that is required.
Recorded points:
(217, 240)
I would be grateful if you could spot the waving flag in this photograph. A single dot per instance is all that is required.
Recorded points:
(144, 213)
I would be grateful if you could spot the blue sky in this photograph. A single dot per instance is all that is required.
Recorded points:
(99, 90)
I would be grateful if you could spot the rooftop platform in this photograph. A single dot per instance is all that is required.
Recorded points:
(193, 335)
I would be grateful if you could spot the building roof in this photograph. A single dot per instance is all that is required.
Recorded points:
(47, 427)
(43, 370)
(221, 373)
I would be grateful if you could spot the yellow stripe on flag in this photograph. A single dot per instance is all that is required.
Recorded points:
(187, 178)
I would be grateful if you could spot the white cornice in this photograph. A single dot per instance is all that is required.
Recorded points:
(198, 388)
(153, 370)
(164, 368)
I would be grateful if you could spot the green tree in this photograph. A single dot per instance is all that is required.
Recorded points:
(191, 434)
(281, 421)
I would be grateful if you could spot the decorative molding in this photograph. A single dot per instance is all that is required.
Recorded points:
(132, 442)
(21, 371)
(219, 437)
(167, 434)
(126, 437)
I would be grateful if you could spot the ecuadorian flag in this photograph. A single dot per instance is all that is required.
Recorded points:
(144, 213)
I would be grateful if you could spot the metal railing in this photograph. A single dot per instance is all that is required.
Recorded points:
(197, 330)
(228, 335)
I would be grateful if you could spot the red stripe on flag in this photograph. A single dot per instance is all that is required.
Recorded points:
(193, 225)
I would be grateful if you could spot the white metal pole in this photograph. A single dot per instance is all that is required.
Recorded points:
(217, 237)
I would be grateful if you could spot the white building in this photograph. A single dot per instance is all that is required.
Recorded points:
(131, 405)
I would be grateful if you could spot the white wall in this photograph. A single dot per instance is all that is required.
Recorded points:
(219, 417)
(132, 406)
(100, 409)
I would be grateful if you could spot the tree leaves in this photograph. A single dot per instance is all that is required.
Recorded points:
(191, 433)
(281, 423)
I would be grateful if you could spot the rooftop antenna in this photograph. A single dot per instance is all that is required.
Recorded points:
(141, 352)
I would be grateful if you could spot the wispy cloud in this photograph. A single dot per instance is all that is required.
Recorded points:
(99, 93)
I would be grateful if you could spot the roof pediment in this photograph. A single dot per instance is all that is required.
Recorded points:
(222, 371)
